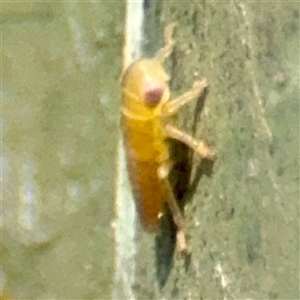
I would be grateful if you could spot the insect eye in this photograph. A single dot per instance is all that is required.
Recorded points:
(153, 94)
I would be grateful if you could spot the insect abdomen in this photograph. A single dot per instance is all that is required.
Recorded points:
(149, 194)
(145, 151)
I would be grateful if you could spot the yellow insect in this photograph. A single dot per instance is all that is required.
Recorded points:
(146, 124)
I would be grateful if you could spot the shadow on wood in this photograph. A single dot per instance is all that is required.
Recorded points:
(183, 188)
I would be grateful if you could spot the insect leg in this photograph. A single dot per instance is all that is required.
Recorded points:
(181, 245)
(198, 146)
(171, 107)
(165, 52)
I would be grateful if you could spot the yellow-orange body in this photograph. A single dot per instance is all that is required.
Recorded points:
(144, 92)
(146, 108)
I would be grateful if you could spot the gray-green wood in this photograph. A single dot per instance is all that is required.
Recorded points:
(242, 219)
(61, 64)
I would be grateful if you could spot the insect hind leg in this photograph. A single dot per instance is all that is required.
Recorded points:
(181, 244)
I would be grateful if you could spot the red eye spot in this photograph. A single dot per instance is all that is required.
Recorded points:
(153, 94)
